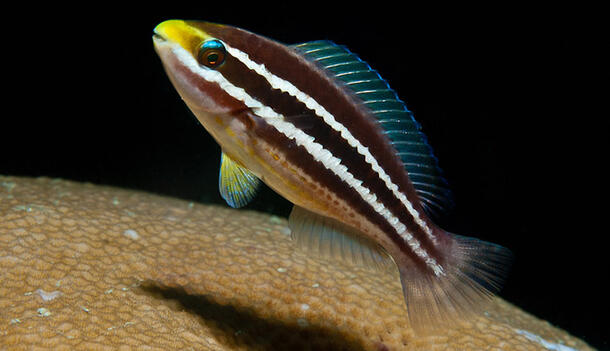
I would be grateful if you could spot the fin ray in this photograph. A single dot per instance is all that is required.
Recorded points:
(472, 276)
(332, 239)
(392, 115)
(237, 185)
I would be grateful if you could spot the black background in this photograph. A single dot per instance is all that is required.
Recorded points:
(505, 96)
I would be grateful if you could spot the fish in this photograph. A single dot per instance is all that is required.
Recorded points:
(318, 125)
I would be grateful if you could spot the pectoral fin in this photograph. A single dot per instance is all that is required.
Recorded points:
(237, 184)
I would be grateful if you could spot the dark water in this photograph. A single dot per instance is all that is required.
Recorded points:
(504, 103)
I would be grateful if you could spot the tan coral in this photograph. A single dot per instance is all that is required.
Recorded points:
(93, 267)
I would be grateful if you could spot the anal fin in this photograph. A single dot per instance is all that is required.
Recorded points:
(237, 184)
(332, 239)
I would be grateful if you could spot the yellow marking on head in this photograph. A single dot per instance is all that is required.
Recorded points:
(181, 32)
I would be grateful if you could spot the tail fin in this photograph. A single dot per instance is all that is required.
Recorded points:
(474, 271)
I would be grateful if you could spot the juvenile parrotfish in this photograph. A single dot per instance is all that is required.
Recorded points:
(319, 126)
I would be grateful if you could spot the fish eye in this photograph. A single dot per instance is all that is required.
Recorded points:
(212, 53)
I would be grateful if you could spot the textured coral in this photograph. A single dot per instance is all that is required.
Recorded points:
(92, 267)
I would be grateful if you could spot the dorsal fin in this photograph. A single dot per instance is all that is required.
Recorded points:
(392, 115)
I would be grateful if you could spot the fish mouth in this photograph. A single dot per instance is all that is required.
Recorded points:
(157, 34)
(158, 37)
(160, 40)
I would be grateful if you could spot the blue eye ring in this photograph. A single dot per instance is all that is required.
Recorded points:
(212, 53)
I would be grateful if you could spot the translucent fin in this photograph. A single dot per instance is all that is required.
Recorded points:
(473, 273)
(392, 115)
(237, 185)
(330, 238)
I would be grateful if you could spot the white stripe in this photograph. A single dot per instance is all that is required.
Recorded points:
(318, 152)
(329, 161)
(285, 86)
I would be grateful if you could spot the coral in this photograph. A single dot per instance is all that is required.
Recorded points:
(92, 267)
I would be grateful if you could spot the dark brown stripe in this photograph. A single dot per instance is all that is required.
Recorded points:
(298, 155)
(288, 65)
(213, 90)
(303, 118)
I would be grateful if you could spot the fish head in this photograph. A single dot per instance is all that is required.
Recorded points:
(192, 55)
(219, 72)
(198, 60)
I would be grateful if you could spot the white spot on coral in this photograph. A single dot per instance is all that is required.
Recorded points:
(285, 230)
(43, 312)
(8, 185)
(281, 269)
(131, 234)
(30, 208)
(48, 296)
(129, 213)
(546, 344)
(275, 220)
(315, 285)
(304, 307)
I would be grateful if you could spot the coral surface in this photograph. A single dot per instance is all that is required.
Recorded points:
(92, 267)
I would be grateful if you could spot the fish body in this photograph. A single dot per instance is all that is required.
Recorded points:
(320, 127)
